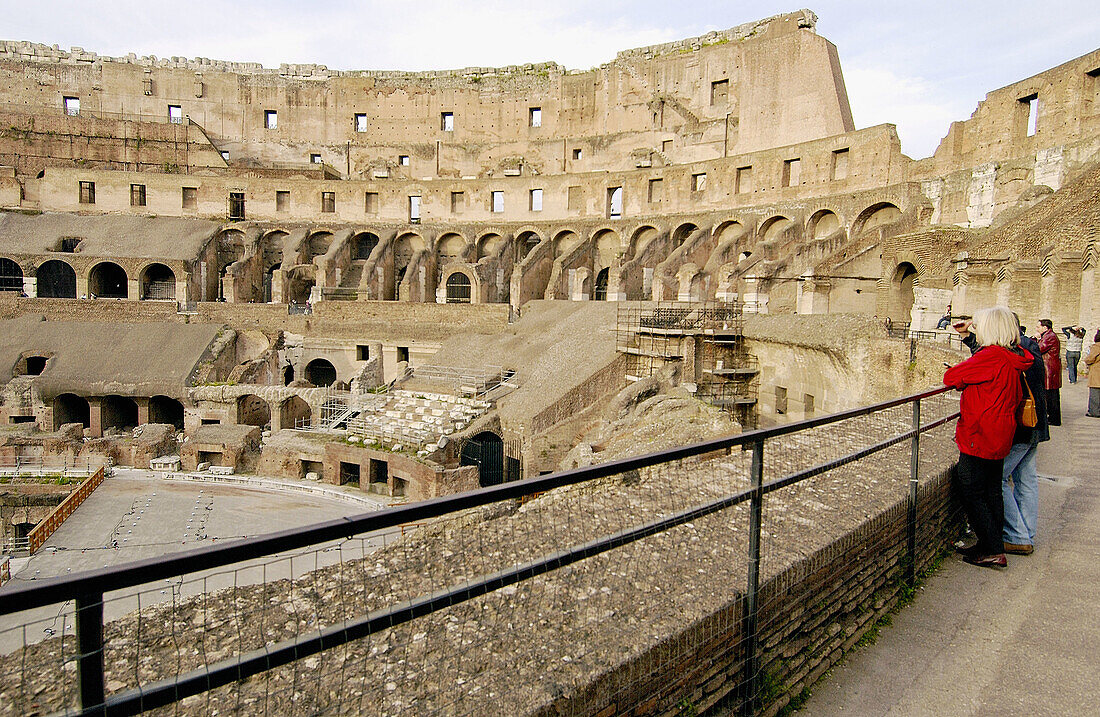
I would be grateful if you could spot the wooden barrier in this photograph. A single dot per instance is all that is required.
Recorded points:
(53, 521)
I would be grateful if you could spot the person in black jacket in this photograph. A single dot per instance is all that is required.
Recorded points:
(1020, 480)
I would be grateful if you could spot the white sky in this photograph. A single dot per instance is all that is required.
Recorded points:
(919, 64)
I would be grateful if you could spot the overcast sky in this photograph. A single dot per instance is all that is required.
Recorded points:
(919, 64)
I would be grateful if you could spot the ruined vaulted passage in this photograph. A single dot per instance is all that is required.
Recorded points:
(253, 411)
(11, 275)
(56, 280)
(901, 292)
(321, 372)
(70, 408)
(119, 413)
(318, 245)
(295, 413)
(599, 290)
(363, 244)
(158, 282)
(525, 243)
(163, 409)
(107, 280)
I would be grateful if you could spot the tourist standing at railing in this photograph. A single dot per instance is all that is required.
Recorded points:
(1075, 337)
(991, 393)
(1092, 361)
(1051, 347)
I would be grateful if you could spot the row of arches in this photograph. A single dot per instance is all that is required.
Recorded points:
(117, 412)
(252, 410)
(56, 279)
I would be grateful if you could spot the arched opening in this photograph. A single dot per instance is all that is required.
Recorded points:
(253, 411)
(288, 375)
(31, 365)
(11, 275)
(272, 248)
(70, 408)
(599, 290)
(565, 242)
(728, 231)
(449, 248)
(772, 229)
(525, 243)
(295, 413)
(486, 451)
(119, 413)
(822, 224)
(608, 248)
(681, 234)
(56, 280)
(318, 245)
(363, 244)
(404, 248)
(321, 372)
(698, 288)
(300, 283)
(107, 280)
(458, 288)
(641, 238)
(158, 282)
(743, 255)
(489, 245)
(164, 409)
(875, 216)
(231, 248)
(905, 276)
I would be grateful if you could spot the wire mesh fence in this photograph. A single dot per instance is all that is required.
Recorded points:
(722, 573)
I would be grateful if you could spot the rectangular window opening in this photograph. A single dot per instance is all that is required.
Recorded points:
(72, 106)
(360, 123)
(282, 200)
(666, 146)
(840, 164)
(370, 202)
(137, 195)
(615, 203)
(656, 190)
(698, 182)
(349, 473)
(719, 92)
(577, 153)
(414, 209)
(497, 201)
(780, 399)
(314, 158)
(225, 154)
(1032, 104)
(402, 354)
(236, 206)
(536, 200)
(574, 199)
(328, 202)
(808, 403)
(742, 183)
(458, 202)
(87, 192)
(271, 119)
(535, 116)
(175, 114)
(362, 352)
(447, 121)
(792, 170)
(403, 160)
(189, 197)
(379, 476)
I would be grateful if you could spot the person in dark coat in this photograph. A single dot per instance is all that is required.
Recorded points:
(1051, 348)
(1020, 475)
(986, 429)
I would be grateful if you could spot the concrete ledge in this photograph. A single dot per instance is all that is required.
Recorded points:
(273, 484)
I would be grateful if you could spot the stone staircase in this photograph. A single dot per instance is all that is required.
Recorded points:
(414, 419)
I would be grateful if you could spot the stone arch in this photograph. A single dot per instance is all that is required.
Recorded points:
(822, 223)
(11, 275)
(108, 280)
(682, 232)
(599, 287)
(231, 248)
(165, 409)
(31, 364)
(404, 248)
(318, 244)
(608, 248)
(157, 282)
(272, 247)
(640, 238)
(459, 288)
(294, 412)
(320, 372)
(486, 451)
(253, 411)
(728, 230)
(565, 241)
(525, 243)
(875, 216)
(697, 288)
(70, 408)
(488, 244)
(772, 228)
(119, 412)
(450, 247)
(901, 291)
(362, 244)
(300, 283)
(56, 280)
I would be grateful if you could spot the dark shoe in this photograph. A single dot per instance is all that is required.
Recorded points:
(987, 561)
(1019, 548)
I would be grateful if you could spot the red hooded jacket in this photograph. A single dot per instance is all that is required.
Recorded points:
(990, 382)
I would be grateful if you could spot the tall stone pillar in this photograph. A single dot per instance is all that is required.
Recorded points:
(95, 416)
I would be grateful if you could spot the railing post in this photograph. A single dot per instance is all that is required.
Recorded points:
(752, 657)
(89, 642)
(914, 475)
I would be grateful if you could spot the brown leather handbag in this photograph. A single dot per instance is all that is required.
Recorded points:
(1027, 414)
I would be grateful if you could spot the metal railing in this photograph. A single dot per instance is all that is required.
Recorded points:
(820, 449)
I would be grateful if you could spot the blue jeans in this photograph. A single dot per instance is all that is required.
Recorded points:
(1020, 489)
(1072, 357)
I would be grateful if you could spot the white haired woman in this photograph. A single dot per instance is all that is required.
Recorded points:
(991, 393)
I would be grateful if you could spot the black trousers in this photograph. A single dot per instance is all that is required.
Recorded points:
(1054, 406)
(977, 483)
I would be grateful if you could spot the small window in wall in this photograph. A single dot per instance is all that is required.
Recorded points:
(840, 164)
(361, 123)
(362, 352)
(577, 154)
(497, 201)
(137, 195)
(379, 477)
(210, 421)
(225, 154)
(719, 92)
(458, 202)
(808, 403)
(236, 206)
(402, 354)
(792, 171)
(328, 202)
(69, 244)
(175, 114)
(349, 473)
(370, 202)
(36, 365)
(1032, 104)
(403, 160)
(414, 209)
(72, 106)
(656, 190)
(666, 146)
(614, 202)
(87, 192)
(742, 183)
(534, 116)
(574, 199)
(536, 200)
(447, 121)
(698, 182)
(780, 399)
(282, 200)
(189, 198)
(314, 158)
(271, 119)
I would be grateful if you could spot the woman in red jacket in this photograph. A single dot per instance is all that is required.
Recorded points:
(991, 394)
